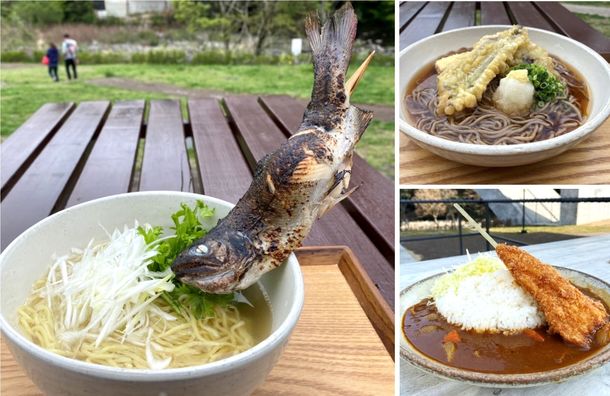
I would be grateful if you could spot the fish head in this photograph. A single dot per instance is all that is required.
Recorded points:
(215, 263)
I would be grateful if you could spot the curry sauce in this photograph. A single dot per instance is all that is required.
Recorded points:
(426, 329)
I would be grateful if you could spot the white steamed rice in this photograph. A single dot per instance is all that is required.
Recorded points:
(482, 295)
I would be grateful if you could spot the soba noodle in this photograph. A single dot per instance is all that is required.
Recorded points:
(487, 125)
(186, 340)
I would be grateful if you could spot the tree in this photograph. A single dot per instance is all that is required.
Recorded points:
(264, 19)
(217, 17)
(251, 21)
(376, 21)
(38, 12)
(78, 11)
(434, 209)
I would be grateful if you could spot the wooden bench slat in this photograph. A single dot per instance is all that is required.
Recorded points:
(373, 204)
(461, 15)
(287, 112)
(109, 168)
(526, 14)
(165, 165)
(425, 24)
(261, 136)
(23, 144)
(224, 171)
(574, 27)
(408, 10)
(35, 194)
(494, 13)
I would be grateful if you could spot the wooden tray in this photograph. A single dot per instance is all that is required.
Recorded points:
(334, 348)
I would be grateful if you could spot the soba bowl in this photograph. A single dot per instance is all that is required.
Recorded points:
(593, 68)
(27, 259)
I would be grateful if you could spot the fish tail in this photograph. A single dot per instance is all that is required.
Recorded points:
(331, 47)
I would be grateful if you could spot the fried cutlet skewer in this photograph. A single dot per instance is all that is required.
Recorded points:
(569, 313)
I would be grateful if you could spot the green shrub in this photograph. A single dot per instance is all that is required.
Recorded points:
(146, 37)
(178, 57)
(158, 57)
(102, 58)
(162, 19)
(139, 57)
(210, 58)
(110, 20)
(16, 56)
(167, 57)
(37, 55)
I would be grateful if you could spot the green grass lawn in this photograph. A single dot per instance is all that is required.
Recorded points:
(590, 3)
(25, 88)
(597, 22)
(376, 87)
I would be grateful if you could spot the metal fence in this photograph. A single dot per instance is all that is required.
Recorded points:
(487, 216)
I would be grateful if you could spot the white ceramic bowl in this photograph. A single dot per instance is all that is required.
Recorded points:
(591, 66)
(27, 259)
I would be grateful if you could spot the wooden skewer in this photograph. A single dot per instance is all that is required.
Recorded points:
(353, 81)
(476, 225)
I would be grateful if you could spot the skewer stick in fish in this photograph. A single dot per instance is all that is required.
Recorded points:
(295, 185)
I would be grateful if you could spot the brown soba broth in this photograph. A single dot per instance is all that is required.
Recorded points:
(487, 125)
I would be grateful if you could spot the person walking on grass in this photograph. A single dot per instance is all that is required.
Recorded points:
(68, 49)
(53, 61)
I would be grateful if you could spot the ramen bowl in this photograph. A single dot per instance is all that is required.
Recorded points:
(28, 258)
(409, 353)
(591, 66)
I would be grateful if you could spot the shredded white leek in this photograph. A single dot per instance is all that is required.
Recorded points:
(106, 288)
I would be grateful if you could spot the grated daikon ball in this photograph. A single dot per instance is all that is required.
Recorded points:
(515, 94)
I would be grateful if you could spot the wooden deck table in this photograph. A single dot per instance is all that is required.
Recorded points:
(590, 255)
(66, 154)
(587, 163)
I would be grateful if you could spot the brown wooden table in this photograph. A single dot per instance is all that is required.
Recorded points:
(587, 163)
(420, 19)
(66, 154)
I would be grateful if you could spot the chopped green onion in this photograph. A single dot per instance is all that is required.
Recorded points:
(547, 86)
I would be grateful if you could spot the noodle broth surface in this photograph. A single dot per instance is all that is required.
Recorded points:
(187, 341)
(487, 125)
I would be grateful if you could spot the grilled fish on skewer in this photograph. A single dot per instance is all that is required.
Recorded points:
(293, 186)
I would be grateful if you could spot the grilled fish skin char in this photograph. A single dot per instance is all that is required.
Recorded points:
(293, 186)
(569, 313)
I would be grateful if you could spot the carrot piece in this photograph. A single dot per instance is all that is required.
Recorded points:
(534, 335)
(452, 336)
